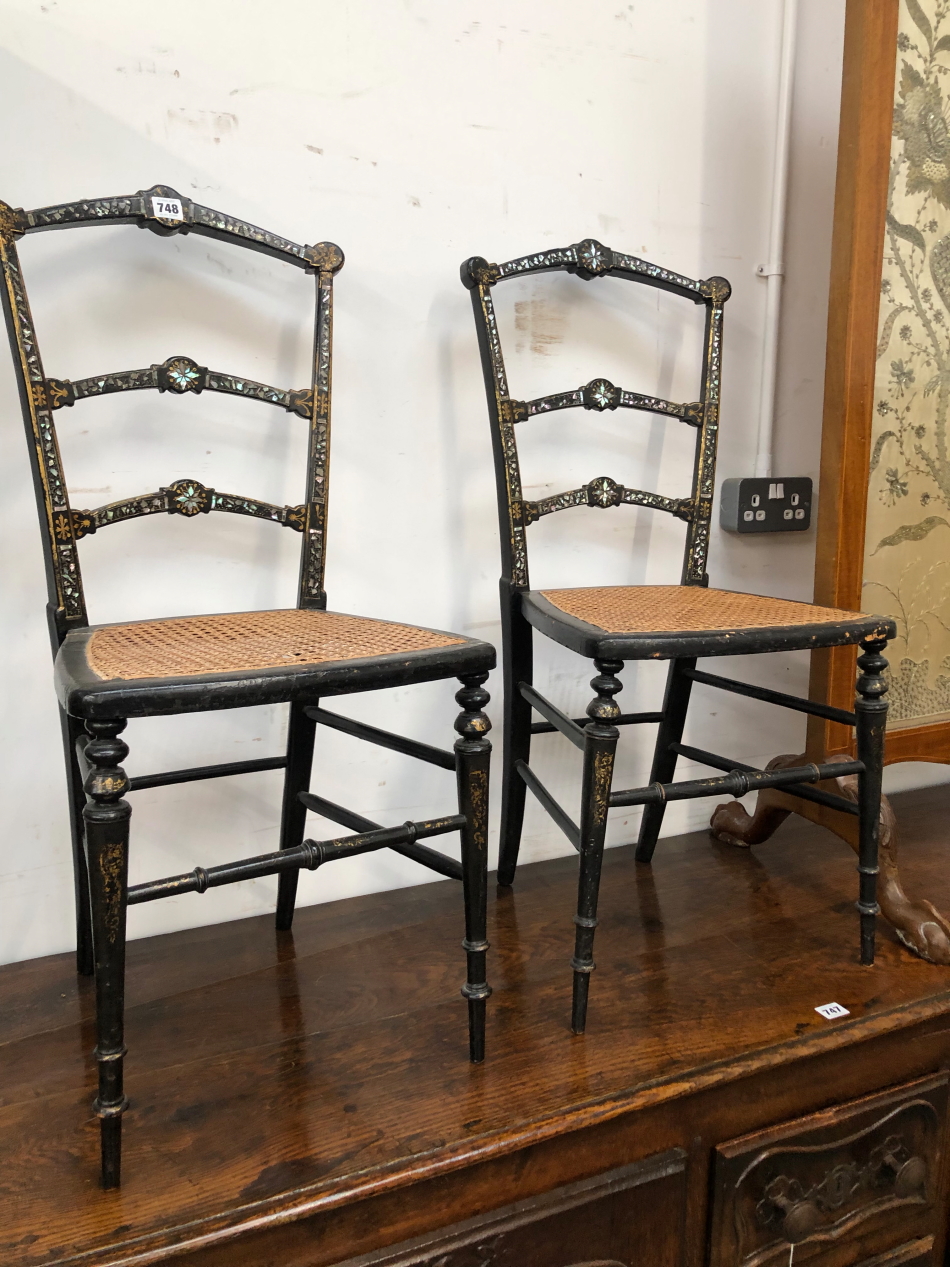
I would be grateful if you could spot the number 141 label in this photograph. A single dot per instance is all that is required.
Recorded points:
(167, 209)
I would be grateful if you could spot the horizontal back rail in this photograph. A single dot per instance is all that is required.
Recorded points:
(179, 374)
(603, 493)
(184, 497)
(601, 394)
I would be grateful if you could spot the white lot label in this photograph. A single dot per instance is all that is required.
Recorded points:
(830, 1011)
(167, 208)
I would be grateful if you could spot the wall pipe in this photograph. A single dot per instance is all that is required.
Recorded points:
(774, 270)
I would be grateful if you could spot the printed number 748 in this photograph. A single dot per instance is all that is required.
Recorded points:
(167, 209)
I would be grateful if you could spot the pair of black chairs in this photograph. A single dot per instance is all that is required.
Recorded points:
(107, 674)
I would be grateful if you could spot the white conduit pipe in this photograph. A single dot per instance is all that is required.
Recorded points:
(774, 270)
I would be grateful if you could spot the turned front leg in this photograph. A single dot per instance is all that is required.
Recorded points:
(472, 759)
(871, 710)
(106, 817)
(600, 745)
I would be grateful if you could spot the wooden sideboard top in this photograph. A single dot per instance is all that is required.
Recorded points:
(273, 1075)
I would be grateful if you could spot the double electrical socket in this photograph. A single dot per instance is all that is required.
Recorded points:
(771, 504)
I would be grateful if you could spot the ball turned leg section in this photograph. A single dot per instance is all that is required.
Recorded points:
(600, 746)
(871, 710)
(106, 818)
(472, 758)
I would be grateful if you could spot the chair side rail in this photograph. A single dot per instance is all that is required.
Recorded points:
(773, 697)
(310, 854)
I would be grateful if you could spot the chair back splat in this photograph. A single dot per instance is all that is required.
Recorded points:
(166, 213)
(590, 259)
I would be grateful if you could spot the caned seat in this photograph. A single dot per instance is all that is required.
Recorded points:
(150, 667)
(637, 622)
(106, 674)
(613, 624)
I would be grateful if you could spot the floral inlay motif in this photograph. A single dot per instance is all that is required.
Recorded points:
(188, 497)
(907, 551)
(601, 394)
(604, 491)
(183, 375)
(593, 257)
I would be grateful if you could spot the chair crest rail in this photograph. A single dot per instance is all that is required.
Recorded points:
(602, 493)
(590, 258)
(165, 211)
(178, 374)
(601, 394)
(184, 497)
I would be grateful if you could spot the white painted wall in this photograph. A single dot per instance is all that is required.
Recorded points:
(413, 134)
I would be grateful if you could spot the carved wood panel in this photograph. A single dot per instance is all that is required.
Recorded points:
(628, 1217)
(843, 1186)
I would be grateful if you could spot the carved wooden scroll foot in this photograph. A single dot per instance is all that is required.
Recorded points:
(918, 924)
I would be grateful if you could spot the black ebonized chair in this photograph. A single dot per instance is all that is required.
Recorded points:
(676, 623)
(108, 673)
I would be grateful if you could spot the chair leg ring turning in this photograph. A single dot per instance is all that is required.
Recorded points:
(472, 758)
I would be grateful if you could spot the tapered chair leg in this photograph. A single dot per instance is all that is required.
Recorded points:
(72, 732)
(106, 818)
(293, 816)
(675, 705)
(472, 759)
(600, 747)
(517, 667)
(871, 710)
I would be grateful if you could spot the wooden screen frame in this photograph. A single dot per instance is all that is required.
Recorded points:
(864, 147)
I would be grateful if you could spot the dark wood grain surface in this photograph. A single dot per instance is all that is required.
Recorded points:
(274, 1078)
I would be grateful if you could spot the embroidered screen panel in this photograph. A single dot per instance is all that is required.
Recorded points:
(907, 540)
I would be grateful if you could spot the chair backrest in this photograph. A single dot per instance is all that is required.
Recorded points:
(166, 213)
(590, 259)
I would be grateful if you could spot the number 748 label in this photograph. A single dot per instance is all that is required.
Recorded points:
(167, 209)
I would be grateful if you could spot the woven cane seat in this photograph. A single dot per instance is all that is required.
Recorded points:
(643, 621)
(247, 642)
(215, 661)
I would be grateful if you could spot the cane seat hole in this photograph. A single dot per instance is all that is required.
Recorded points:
(247, 642)
(634, 609)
